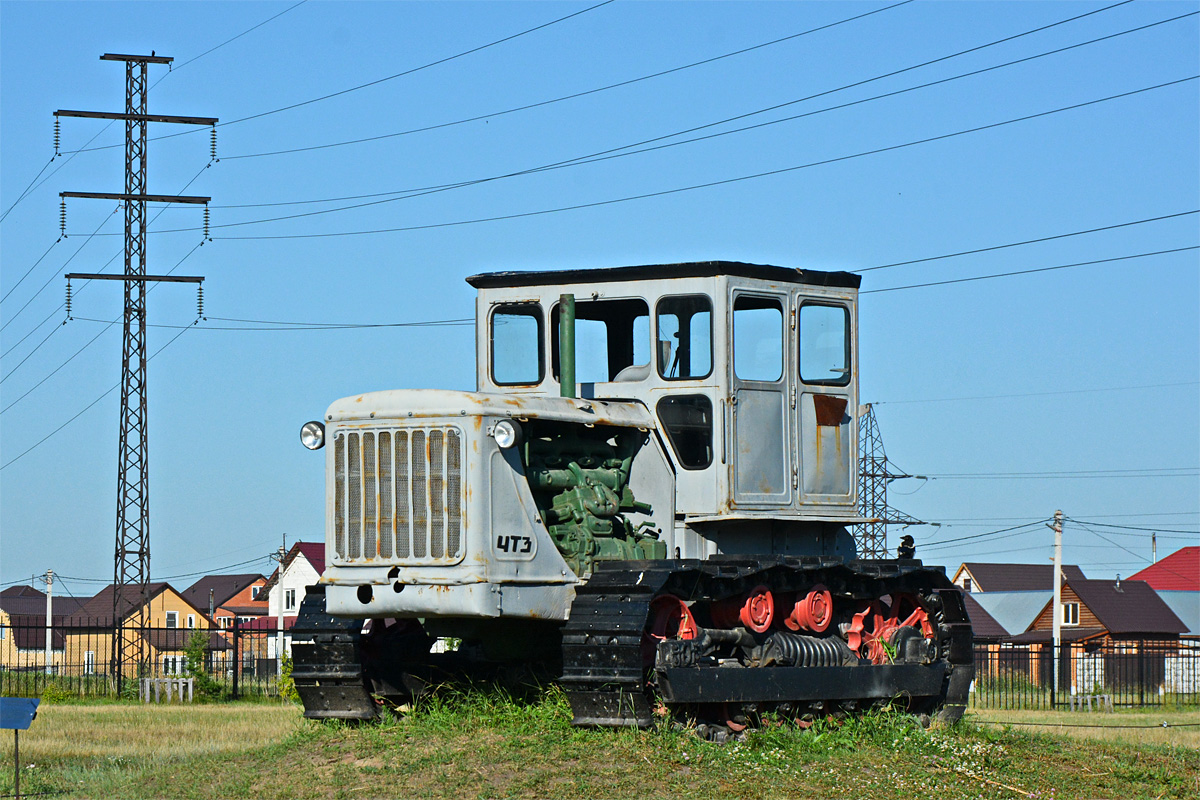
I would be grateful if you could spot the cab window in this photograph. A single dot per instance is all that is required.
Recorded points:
(824, 344)
(688, 421)
(612, 340)
(684, 337)
(517, 344)
(757, 338)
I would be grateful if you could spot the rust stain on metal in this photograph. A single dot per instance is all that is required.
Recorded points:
(830, 410)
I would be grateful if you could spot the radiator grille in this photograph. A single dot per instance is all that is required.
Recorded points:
(398, 495)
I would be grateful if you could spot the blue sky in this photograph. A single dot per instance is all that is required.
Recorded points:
(1087, 376)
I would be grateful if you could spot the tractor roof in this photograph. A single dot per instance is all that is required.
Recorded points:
(695, 269)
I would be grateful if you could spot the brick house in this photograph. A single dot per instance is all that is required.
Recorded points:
(231, 597)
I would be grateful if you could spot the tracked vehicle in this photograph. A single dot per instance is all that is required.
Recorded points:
(647, 495)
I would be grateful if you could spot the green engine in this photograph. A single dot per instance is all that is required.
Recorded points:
(579, 477)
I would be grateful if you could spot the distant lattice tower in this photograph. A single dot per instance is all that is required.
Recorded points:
(874, 476)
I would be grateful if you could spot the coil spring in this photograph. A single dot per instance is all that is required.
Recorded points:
(809, 651)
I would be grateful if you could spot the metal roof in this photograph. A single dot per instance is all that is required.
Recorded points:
(991, 577)
(693, 269)
(1014, 611)
(1178, 572)
(1127, 606)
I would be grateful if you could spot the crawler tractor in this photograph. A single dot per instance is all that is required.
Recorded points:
(648, 496)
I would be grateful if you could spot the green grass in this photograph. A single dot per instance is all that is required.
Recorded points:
(471, 743)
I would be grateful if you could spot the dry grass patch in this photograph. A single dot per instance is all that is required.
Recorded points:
(150, 732)
(1123, 727)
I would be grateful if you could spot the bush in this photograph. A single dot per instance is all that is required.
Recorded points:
(195, 655)
(287, 686)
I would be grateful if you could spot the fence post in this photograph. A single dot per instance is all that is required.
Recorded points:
(1142, 672)
(237, 655)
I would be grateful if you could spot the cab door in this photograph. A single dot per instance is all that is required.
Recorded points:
(826, 406)
(759, 417)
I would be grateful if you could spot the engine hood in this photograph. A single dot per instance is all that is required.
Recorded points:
(442, 403)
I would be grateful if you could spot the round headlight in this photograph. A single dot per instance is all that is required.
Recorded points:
(506, 433)
(312, 435)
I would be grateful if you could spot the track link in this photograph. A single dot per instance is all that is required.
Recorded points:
(605, 660)
(326, 663)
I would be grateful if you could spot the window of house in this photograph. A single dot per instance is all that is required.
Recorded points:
(172, 665)
(824, 344)
(254, 592)
(966, 584)
(191, 620)
(172, 619)
(684, 337)
(757, 338)
(688, 421)
(612, 340)
(289, 599)
(517, 344)
(1070, 613)
(89, 662)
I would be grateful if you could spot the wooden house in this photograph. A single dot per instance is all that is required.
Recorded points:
(165, 623)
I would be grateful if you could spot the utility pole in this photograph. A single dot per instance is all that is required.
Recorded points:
(131, 572)
(874, 476)
(1057, 527)
(279, 616)
(49, 622)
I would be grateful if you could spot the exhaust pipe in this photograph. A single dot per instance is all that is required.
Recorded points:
(566, 345)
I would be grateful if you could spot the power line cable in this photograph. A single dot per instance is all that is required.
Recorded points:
(91, 236)
(1130, 527)
(1034, 394)
(988, 533)
(31, 269)
(107, 325)
(277, 326)
(615, 152)
(1164, 472)
(113, 388)
(1027, 241)
(573, 96)
(235, 38)
(85, 284)
(72, 153)
(1029, 271)
(384, 79)
(27, 189)
(709, 184)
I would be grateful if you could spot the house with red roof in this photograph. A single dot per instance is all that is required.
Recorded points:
(229, 597)
(1176, 578)
(302, 566)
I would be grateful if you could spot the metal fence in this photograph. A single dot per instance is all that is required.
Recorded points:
(228, 662)
(1130, 673)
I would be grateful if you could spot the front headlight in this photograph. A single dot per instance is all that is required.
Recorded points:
(506, 433)
(312, 435)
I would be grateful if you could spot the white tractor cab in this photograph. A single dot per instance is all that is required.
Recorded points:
(738, 381)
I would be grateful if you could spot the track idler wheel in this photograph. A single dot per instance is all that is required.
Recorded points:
(811, 612)
(755, 610)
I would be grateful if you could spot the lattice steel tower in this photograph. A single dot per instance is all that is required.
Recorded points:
(131, 572)
(874, 475)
